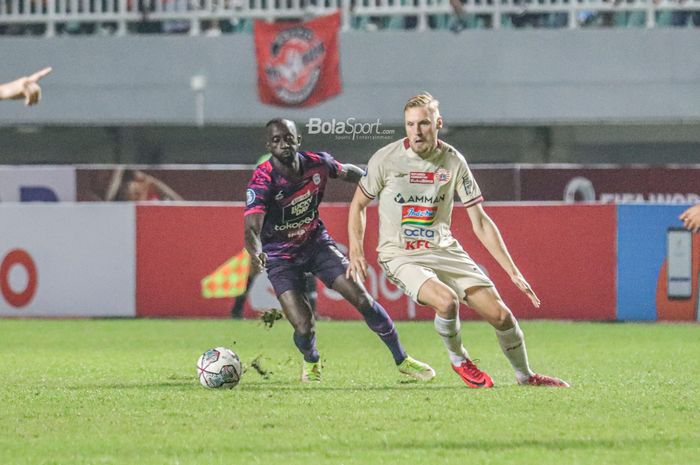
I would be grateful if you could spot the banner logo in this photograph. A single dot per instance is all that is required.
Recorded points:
(298, 65)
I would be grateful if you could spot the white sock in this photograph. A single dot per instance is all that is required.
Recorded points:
(451, 337)
(512, 342)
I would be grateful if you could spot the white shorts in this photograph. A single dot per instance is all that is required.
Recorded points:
(452, 266)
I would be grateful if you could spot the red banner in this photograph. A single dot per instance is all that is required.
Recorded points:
(566, 252)
(298, 63)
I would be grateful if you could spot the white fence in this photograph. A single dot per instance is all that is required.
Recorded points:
(188, 16)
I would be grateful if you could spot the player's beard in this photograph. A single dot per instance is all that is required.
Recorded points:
(421, 148)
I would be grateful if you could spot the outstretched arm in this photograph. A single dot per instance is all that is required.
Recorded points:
(253, 244)
(26, 87)
(164, 191)
(489, 235)
(691, 218)
(357, 221)
(350, 173)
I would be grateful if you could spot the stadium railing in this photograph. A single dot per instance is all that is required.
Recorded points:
(121, 17)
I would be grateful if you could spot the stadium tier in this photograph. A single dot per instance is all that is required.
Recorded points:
(212, 17)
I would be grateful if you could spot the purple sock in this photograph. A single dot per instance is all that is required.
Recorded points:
(380, 322)
(307, 346)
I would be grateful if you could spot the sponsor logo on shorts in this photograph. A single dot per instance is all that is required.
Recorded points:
(419, 244)
(417, 215)
(420, 177)
(418, 232)
(249, 196)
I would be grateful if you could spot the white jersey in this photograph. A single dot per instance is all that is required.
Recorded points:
(416, 196)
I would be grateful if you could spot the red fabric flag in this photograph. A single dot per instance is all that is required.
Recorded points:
(298, 63)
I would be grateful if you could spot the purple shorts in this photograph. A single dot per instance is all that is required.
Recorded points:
(323, 259)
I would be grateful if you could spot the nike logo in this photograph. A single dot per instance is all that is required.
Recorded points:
(514, 347)
(400, 175)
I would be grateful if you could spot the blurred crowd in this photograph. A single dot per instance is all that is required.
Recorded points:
(475, 14)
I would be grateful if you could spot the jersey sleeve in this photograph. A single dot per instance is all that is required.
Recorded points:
(467, 188)
(257, 192)
(333, 165)
(372, 182)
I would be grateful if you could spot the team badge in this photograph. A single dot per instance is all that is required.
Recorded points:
(294, 69)
(249, 196)
(443, 176)
(317, 179)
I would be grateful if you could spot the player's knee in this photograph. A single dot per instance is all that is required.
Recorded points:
(447, 305)
(363, 302)
(503, 319)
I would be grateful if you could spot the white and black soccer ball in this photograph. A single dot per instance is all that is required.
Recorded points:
(219, 368)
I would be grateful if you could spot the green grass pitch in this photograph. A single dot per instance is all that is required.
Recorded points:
(80, 392)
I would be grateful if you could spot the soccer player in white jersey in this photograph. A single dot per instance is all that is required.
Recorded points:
(415, 179)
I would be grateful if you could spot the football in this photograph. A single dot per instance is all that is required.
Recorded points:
(219, 368)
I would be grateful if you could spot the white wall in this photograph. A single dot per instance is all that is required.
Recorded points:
(482, 77)
(67, 259)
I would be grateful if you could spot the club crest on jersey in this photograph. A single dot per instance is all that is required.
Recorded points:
(443, 176)
(417, 215)
(316, 178)
(421, 177)
(249, 196)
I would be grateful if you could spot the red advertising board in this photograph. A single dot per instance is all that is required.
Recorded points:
(567, 253)
(178, 246)
(611, 184)
(570, 183)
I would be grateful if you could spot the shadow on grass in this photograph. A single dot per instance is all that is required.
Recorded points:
(492, 445)
(281, 385)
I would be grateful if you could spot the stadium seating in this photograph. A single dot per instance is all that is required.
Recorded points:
(196, 17)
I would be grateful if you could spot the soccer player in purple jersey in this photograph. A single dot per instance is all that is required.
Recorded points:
(284, 234)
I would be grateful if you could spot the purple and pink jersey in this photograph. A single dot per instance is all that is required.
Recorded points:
(291, 207)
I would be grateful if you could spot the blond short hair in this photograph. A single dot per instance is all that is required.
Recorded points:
(424, 100)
